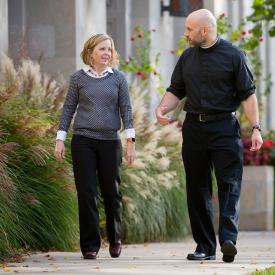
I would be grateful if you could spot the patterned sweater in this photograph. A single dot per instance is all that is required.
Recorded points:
(99, 103)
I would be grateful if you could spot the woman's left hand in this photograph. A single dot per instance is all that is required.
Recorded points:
(130, 152)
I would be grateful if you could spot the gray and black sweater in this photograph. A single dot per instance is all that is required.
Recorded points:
(99, 103)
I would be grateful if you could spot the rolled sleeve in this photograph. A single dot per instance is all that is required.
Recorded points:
(243, 77)
(130, 133)
(177, 86)
(61, 135)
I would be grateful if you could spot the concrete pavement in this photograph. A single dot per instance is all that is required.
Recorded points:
(256, 250)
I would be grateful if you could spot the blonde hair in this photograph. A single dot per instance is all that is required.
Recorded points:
(92, 42)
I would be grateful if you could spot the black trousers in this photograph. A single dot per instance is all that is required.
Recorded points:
(207, 146)
(94, 159)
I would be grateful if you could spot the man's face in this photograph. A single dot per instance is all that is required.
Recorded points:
(194, 33)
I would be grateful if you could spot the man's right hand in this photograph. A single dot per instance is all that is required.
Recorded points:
(161, 117)
(59, 150)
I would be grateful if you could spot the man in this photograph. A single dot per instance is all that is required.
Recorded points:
(215, 80)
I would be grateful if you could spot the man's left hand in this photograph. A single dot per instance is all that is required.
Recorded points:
(256, 140)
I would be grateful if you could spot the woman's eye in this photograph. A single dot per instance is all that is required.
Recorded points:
(104, 49)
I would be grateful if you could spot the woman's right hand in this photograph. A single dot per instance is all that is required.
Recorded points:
(59, 150)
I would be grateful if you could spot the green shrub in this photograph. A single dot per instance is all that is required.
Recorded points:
(37, 198)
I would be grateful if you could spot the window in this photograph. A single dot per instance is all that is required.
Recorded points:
(184, 7)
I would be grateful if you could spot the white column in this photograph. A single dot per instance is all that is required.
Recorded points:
(265, 52)
(90, 19)
(209, 4)
(168, 31)
(271, 109)
(219, 7)
(235, 13)
(261, 87)
(3, 26)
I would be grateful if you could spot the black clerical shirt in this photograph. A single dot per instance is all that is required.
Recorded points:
(213, 80)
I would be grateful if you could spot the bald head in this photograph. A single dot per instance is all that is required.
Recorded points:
(201, 27)
(203, 17)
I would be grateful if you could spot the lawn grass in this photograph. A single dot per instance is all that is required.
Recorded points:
(267, 271)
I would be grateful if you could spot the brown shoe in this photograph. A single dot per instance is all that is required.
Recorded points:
(115, 249)
(90, 255)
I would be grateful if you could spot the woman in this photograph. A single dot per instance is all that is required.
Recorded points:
(99, 96)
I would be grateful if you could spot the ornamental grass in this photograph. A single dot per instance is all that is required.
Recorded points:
(38, 209)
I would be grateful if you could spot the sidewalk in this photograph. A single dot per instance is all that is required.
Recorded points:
(256, 250)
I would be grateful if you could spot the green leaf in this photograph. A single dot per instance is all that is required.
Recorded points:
(272, 31)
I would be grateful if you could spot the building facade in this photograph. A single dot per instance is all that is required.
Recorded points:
(53, 31)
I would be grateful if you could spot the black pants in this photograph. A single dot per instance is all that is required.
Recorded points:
(207, 146)
(94, 159)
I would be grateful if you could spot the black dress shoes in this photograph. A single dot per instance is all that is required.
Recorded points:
(115, 249)
(90, 255)
(229, 251)
(199, 256)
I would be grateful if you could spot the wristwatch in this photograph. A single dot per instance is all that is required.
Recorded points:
(257, 126)
(131, 139)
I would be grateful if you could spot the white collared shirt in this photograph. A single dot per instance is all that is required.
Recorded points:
(91, 72)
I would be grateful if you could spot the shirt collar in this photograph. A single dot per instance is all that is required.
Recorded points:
(90, 69)
(213, 46)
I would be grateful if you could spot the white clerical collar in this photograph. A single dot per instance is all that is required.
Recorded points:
(211, 44)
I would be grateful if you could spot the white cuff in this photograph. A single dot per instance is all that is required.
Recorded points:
(130, 133)
(61, 135)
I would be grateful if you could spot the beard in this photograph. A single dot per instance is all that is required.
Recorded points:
(194, 43)
(197, 42)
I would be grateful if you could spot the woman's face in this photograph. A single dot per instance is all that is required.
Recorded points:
(102, 53)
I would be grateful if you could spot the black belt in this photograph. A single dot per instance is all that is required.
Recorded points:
(209, 117)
